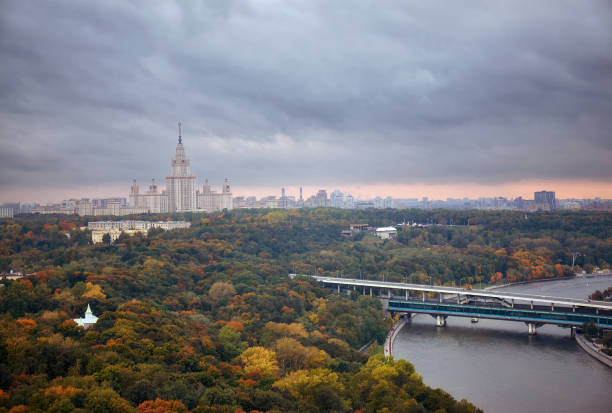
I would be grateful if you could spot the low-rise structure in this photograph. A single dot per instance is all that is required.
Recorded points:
(115, 228)
(12, 275)
(386, 232)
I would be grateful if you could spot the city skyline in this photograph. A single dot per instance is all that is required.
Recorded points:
(482, 101)
(440, 192)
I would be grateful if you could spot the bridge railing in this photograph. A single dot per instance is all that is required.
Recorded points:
(561, 318)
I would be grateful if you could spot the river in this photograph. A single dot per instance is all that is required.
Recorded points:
(500, 368)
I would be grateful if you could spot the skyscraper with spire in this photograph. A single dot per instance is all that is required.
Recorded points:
(181, 184)
(180, 194)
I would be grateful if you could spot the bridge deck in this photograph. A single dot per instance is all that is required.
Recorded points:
(563, 318)
(508, 296)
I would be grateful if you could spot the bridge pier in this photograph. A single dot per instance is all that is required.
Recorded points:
(531, 329)
(441, 321)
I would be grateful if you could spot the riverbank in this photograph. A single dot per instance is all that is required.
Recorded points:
(388, 346)
(364, 349)
(592, 350)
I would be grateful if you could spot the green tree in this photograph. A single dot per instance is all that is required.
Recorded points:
(230, 341)
(107, 400)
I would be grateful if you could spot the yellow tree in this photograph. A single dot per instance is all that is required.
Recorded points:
(314, 390)
(93, 291)
(291, 354)
(259, 360)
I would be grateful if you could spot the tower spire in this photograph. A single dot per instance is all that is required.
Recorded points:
(180, 137)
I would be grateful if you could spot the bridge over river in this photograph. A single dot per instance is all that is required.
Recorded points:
(442, 302)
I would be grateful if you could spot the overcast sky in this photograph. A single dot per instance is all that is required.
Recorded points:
(349, 94)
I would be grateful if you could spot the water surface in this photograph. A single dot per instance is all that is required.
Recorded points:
(500, 368)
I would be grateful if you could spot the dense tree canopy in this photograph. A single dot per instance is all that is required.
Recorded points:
(206, 318)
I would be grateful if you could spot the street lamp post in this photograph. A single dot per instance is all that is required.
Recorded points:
(574, 256)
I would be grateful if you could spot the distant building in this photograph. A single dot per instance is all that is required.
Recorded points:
(269, 202)
(88, 320)
(355, 229)
(181, 184)
(545, 200)
(15, 208)
(386, 232)
(152, 201)
(52, 209)
(336, 199)
(209, 200)
(181, 193)
(575, 205)
(321, 200)
(359, 228)
(27, 208)
(6, 212)
(12, 275)
(239, 202)
(363, 204)
(116, 228)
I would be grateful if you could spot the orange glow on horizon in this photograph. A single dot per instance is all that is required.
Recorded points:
(525, 189)
(563, 188)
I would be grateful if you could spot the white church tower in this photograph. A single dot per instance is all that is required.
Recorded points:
(181, 184)
(88, 320)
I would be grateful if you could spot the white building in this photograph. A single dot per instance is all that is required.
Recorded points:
(386, 232)
(115, 228)
(84, 207)
(180, 194)
(209, 200)
(152, 201)
(181, 184)
(6, 212)
(115, 208)
(88, 320)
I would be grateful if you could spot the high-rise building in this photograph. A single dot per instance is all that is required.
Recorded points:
(134, 199)
(336, 199)
(545, 200)
(14, 206)
(321, 200)
(181, 184)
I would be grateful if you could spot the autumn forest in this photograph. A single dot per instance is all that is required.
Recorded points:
(206, 319)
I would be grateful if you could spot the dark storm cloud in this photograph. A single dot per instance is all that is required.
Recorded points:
(311, 92)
